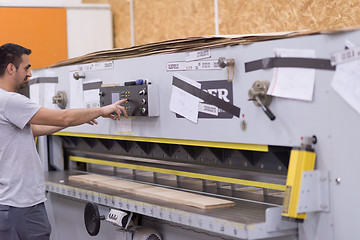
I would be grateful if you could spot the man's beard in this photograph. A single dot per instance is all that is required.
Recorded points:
(25, 84)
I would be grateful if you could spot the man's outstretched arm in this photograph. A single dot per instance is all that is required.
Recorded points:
(47, 121)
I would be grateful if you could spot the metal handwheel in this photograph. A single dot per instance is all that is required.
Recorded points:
(92, 219)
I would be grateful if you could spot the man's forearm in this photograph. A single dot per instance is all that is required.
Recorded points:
(43, 130)
(75, 117)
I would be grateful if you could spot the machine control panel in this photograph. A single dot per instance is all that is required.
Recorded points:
(142, 99)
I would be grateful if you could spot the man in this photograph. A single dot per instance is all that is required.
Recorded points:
(22, 187)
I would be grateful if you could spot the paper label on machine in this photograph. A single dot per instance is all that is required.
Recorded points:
(124, 126)
(91, 93)
(196, 55)
(294, 83)
(209, 109)
(345, 56)
(184, 103)
(193, 66)
(96, 66)
(346, 83)
(218, 88)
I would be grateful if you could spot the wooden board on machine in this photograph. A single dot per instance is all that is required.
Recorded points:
(160, 193)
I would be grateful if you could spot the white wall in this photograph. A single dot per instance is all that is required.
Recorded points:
(88, 30)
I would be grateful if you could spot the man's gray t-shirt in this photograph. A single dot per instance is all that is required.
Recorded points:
(21, 171)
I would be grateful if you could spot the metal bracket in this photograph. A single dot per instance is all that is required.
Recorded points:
(229, 64)
(274, 222)
(314, 192)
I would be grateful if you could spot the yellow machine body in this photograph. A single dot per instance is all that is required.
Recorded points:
(301, 159)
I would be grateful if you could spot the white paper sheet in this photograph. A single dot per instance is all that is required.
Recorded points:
(49, 92)
(124, 126)
(294, 83)
(91, 96)
(184, 103)
(76, 92)
(346, 83)
(35, 93)
(43, 93)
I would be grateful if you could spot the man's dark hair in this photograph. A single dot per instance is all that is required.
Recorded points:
(11, 53)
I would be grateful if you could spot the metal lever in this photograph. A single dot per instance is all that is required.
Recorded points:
(258, 95)
(265, 109)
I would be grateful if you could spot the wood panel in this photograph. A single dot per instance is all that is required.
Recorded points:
(159, 193)
(168, 19)
(43, 30)
(260, 16)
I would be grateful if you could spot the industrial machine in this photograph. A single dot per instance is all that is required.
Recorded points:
(271, 126)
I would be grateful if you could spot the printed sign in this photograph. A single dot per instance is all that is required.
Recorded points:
(221, 89)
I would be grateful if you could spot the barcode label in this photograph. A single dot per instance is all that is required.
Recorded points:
(193, 66)
(344, 56)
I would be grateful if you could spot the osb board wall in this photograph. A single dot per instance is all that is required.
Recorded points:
(158, 20)
(259, 16)
(169, 19)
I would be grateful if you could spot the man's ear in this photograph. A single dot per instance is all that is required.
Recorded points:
(10, 68)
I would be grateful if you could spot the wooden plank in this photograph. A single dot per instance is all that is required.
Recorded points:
(186, 198)
(123, 185)
(160, 193)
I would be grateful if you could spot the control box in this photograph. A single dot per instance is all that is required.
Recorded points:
(142, 99)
